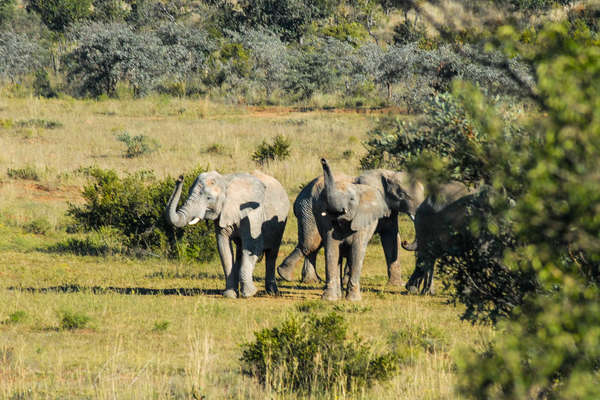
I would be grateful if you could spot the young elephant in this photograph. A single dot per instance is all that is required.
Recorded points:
(442, 223)
(402, 195)
(249, 210)
(347, 215)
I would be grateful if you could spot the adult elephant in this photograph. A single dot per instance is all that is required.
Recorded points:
(347, 215)
(248, 210)
(442, 223)
(402, 194)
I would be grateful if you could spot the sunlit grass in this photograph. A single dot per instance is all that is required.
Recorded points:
(194, 352)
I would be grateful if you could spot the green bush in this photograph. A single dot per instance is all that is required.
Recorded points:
(278, 150)
(138, 145)
(134, 206)
(70, 320)
(59, 14)
(314, 354)
(42, 86)
(39, 226)
(548, 347)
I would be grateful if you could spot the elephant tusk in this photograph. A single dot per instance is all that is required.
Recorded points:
(194, 221)
(324, 213)
(412, 217)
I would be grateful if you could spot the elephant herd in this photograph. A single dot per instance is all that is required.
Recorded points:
(335, 211)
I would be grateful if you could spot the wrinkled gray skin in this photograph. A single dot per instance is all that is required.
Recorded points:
(402, 195)
(347, 215)
(248, 210)
(438, 219)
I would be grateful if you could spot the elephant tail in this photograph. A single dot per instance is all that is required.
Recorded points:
(410, 246)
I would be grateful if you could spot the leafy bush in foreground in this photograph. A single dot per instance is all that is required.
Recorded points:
(315, 354)
(134, 206)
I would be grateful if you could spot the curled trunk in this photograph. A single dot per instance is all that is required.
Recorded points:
(177, 218)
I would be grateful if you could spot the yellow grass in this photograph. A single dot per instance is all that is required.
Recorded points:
(121, 354)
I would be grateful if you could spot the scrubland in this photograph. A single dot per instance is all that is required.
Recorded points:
(158, 328)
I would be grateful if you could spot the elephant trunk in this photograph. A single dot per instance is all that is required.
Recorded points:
(333, 198)
(409, 246)
(177, 218)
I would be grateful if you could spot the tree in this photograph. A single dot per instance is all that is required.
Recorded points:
(18, 55)
(108, 53)
(59, 14)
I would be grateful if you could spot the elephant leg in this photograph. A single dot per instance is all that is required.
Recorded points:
(420, 274)
(428, 279)
(270, 282)
(357, 256)
(226, 254)
(286, 269)
(249, 258)
(345, 270)
(333, 289)
(309, 269)
(389, 241)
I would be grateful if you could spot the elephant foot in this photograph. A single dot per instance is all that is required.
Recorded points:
(412, 289)
(310, 276)
(230, 294)
(394, 282)
(354, 294)
(394, 279)
(272, 289)
(345, 280)
(248, 290)
(430, 291)
(285, 272)
(332, 294)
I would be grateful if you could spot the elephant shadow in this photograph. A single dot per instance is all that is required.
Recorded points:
(141, 291)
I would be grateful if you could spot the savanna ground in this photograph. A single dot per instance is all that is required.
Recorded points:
(159, 328)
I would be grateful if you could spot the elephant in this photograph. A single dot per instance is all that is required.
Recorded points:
(441, 225)
(402, 194)
(347, 215)
(248, 210)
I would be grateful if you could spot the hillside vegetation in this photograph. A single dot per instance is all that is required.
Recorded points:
(103, 103)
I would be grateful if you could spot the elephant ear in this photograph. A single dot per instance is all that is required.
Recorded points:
(244, 195)
(371, 207)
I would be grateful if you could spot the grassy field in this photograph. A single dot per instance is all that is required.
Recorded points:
(159, 328)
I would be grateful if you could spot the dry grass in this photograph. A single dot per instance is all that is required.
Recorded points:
(120, 353)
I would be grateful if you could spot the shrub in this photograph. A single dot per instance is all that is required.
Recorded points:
(161, 326)
(59, 14)
(278, 150)
(39, 226)
(28, 173)
(138, 145)
(16, 317)
(70, 320)
(216, 148)
(42, 86)
(315, 354)
(134, 206)
(409, 31)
